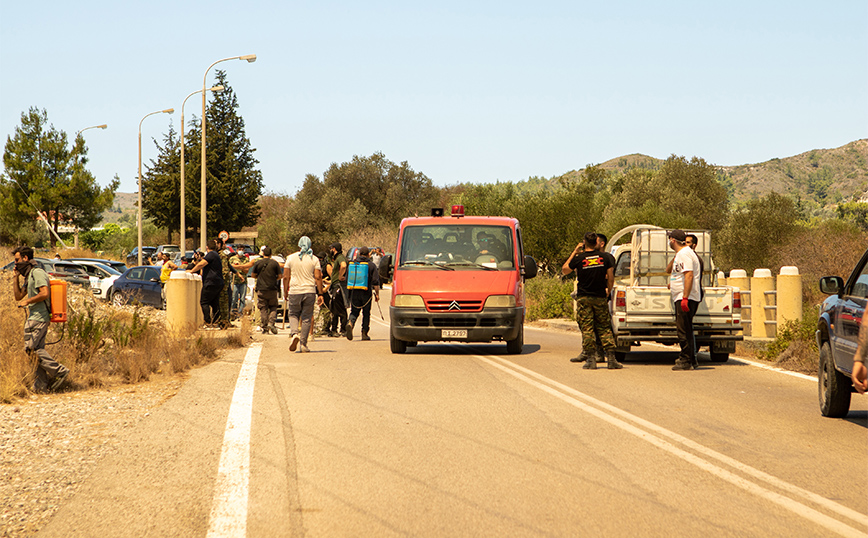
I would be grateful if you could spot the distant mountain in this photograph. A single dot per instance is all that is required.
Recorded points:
(827, 176)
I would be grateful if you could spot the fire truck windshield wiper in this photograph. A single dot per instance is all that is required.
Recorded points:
(474, 264)
(428, 263)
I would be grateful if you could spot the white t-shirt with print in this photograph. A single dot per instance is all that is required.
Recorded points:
(685, 260)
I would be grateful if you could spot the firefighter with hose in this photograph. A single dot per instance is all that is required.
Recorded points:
(36, 296)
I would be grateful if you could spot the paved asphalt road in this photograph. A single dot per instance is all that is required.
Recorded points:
(464, 440)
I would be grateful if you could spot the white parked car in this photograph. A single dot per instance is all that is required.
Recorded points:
(102, 278)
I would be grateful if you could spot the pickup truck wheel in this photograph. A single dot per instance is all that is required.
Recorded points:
(719, 357)
(834, 386)
(515, 347)
(397, 346)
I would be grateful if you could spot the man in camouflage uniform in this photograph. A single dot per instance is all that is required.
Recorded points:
(595, 277)
(228, 278)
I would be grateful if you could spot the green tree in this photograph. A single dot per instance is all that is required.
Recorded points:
(50, 176)
(681, 193)
(855, 212)
(364, 192)
(233, 183)
(753, 231)
(161, 194)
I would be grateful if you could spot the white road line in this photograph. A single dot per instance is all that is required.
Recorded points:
(570, 395)
(229, 510)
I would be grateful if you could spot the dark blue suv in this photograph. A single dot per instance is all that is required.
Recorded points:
(837, 333)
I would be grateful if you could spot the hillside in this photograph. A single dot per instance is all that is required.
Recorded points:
(824, 175)
(827, 176)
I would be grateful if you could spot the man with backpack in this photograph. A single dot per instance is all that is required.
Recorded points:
(36, 296)
(363, 286)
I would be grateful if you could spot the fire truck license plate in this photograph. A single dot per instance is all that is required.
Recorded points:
(453, 333)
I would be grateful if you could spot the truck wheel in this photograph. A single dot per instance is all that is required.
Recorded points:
(397, 346)
(833, 385)
(719, 357)
(515, 347)
(621, 353)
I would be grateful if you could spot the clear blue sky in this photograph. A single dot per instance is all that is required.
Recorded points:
(462, 90)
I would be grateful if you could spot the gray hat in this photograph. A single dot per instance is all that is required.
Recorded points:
(678, 235)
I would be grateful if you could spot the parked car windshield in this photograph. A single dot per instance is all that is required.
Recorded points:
(458, 246)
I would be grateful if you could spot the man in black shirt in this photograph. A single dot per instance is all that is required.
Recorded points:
(268, 275)
(212, 284)
(595, 276)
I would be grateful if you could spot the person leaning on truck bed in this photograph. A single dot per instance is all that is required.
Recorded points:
(859, 371)
(595, 276)
(685, 289)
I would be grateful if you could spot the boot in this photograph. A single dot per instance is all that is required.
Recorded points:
(613, 362)
(365, 336)
(581, 358)
(590, 362)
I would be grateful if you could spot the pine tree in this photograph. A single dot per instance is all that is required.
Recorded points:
(233, 182)
(50, 177)
(161, 194)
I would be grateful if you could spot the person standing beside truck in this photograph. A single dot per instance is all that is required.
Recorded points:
(685, 291)
(859, 371)
(595, 275)
(36, 295)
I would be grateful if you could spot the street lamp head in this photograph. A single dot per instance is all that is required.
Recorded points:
(216, 89)
(250, 58)
(169, 111)
(103, 126)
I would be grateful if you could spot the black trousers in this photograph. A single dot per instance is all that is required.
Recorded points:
(210, 303)
(684, 330)
(338, 309)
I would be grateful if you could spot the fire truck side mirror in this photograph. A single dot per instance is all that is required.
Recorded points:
(530, 268)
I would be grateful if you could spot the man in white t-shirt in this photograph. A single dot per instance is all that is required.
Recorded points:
(685, 289)
(302, 288)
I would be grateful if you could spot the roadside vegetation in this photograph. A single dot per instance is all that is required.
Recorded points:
(102, 345)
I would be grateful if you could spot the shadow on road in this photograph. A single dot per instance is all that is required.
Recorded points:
(859, 418)
(456, 348)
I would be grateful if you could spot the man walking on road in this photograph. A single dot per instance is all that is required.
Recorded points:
(595, 275)
(36, 296)
(338, 289)
(685, 290)
(302, 285)
(267, 274)
(365, 289)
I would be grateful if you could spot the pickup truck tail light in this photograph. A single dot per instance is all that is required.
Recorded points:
(621, 300)
(736, 300)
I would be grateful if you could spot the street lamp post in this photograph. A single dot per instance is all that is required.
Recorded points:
(215, 89)
(203, 217)
(139, 219)
(103, 126)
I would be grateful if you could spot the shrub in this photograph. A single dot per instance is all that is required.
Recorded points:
(795, 346)
(548, 297)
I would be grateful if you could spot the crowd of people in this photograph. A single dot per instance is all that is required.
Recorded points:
(325, 282)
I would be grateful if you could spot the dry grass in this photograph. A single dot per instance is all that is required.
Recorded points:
(102, 345)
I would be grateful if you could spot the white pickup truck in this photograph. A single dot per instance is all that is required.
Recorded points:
(642, 308)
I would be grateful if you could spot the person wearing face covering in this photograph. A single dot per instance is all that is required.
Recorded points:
(302, 288)
(35, 295)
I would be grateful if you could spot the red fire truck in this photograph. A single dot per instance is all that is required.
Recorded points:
(459, 278)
